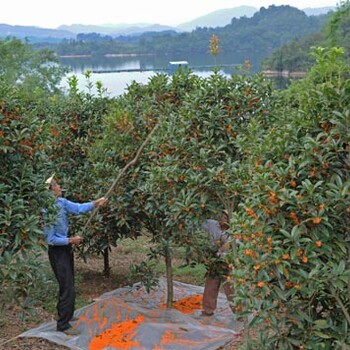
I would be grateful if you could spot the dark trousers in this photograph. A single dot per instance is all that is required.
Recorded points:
(211, 293)
(62, 263)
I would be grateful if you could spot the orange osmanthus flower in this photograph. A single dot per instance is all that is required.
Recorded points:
(318, 244)
(289, 284)
(293, 183)
(251, 212)
(256, 267)
(316, 220)
(273, 199)
(313, 172)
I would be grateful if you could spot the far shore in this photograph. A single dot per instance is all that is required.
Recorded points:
(266, 73)
(283, 74)
(109, 55)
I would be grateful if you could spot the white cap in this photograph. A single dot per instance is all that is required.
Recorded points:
(48, 181)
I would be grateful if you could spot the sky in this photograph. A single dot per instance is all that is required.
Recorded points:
(51, 14)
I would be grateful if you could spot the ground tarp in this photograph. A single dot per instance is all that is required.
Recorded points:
(130, 318)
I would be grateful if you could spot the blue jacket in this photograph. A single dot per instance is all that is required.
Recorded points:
(57, 232)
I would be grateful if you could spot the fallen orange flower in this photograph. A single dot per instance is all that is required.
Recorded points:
(119, 336)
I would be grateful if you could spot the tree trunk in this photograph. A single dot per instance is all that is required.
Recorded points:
(169, 278)
(106, 267)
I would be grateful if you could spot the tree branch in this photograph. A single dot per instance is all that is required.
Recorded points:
(122, 172)
(340, 303)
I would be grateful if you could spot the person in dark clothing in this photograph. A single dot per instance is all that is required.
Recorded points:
(217, 272)
(61, 253)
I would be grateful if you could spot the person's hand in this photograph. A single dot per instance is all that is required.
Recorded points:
(75, 240)
(100, 202)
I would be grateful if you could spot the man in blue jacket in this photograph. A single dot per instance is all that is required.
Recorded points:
(61, 253)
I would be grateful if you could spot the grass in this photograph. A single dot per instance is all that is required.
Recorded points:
(138, 249)
(181, 272)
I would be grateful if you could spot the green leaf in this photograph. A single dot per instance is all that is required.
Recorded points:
(322, 335)
(322, 324)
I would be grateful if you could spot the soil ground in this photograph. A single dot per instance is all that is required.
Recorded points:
(91, 284)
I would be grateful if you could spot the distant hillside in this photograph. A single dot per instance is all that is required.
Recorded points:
(155, 28)
(215, 19)
(116, 29)
(318, 11)
(260, 34)
(218, 18)
(21, 32)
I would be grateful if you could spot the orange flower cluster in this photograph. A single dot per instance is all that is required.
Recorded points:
(269, 241)
(251, 213)
(294, 217)
(316, 220)
(249, 252)
(318, 244)
(289, 284)
(273, 198)
(313, 172)
(293, 183)
(256, 267)
(304, 259)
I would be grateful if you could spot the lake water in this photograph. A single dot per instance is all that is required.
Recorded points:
(149, 65)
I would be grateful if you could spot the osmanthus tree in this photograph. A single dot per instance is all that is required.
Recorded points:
(189, 170)
(126, 127)
(196, 169)
(292, 269)
(27, 79)
(74, 123)
(22, 195)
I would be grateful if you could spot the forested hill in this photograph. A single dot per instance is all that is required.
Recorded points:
(267, 30)
(295, 56)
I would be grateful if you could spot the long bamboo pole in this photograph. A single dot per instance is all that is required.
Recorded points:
(122, 172)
